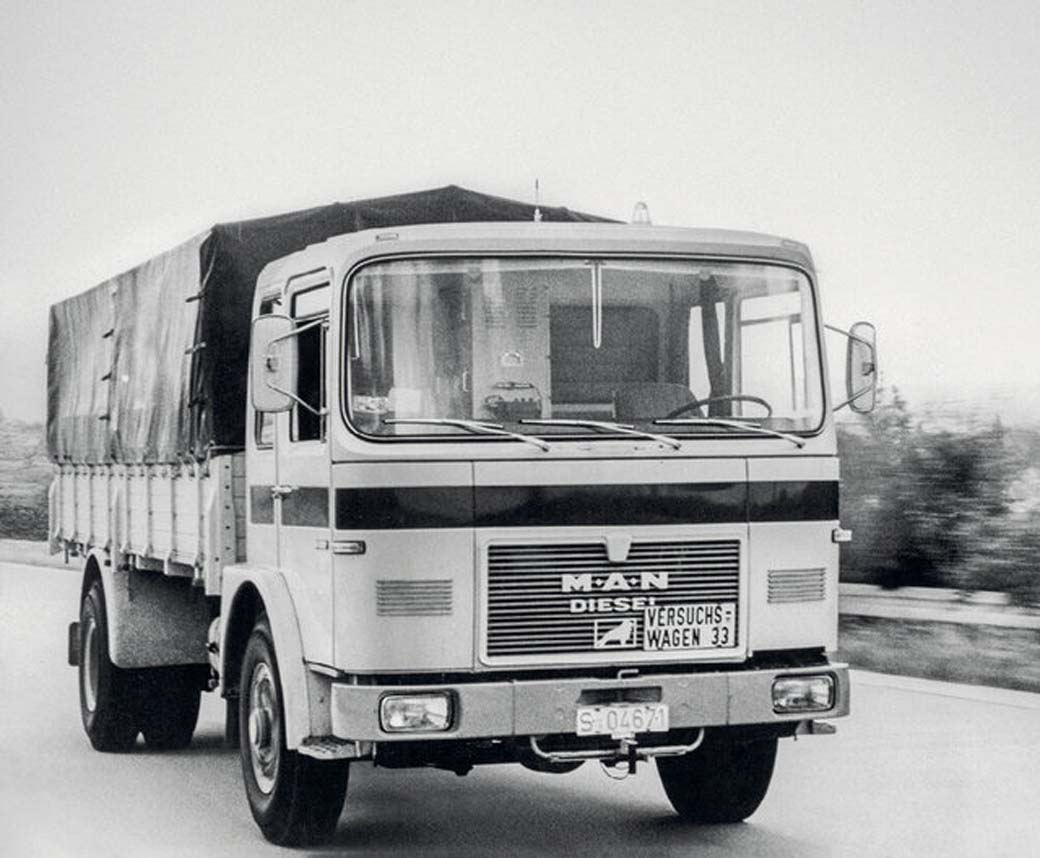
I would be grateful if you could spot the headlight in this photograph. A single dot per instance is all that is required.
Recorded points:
(803, 694)
(415, 713)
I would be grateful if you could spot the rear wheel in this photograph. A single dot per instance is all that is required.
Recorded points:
(170, 708)
(109, 696)
(296, 800)
(724, 780)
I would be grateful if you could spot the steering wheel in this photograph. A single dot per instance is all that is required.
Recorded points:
(736, 397)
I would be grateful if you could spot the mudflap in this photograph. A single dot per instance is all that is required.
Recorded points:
(74, 644)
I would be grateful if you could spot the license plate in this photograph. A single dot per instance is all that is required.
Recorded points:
(705, 625)
(619, 720)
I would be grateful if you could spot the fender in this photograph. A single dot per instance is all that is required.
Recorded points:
(153, 620)
(281, 613)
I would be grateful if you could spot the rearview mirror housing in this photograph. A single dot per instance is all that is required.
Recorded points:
(861, 369)
(273, 362)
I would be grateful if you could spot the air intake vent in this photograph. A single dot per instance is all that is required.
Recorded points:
(796, 585)
(430, 597)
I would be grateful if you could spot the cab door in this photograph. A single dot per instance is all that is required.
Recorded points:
(303, 470)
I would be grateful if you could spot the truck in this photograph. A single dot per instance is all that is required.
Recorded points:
(444, 480)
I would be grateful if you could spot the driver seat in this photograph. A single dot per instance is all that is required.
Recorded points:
(652, 400)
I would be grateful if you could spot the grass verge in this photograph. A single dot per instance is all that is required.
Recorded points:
(953, 652)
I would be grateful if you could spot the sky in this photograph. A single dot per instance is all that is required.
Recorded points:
(901, 141)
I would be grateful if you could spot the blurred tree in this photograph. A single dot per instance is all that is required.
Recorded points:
(931, 506)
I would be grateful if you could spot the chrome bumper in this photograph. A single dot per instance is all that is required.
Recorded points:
(542, 707)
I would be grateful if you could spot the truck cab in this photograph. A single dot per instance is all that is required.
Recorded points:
(539, 493)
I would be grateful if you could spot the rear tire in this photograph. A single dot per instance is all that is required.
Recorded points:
(723, 781)
(170, 708)
(296, 800)
(109, 696)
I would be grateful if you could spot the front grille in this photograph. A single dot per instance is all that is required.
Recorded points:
(529, 607)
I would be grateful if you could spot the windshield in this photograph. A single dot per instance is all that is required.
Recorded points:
(508, 340)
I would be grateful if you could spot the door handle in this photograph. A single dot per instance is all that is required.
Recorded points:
(341, 546)
(282, 491)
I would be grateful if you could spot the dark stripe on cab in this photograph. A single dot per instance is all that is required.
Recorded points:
(261, 505)
(403, 508)
(611, 505)
(584, 505)
(814, 500)
(306, 506)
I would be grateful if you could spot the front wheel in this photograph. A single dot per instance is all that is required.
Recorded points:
(296, 800)
(724, 780)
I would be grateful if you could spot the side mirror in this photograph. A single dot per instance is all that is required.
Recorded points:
(272, 363)
(861, 369)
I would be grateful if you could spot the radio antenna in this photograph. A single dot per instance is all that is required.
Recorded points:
(537, 200)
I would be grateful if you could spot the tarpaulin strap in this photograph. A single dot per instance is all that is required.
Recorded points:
(198, 296)
(108, 333)
(198, 347)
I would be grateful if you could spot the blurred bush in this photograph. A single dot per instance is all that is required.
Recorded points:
(25, 474)
(939, 506)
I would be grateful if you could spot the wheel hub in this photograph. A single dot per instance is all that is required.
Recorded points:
(262, 726)
(89, 669)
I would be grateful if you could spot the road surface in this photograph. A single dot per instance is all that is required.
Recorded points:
(919, 769)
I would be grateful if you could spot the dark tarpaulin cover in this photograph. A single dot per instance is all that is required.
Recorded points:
(150, 366)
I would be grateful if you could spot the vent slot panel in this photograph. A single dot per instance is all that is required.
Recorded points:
(430, 597)
(796, 585)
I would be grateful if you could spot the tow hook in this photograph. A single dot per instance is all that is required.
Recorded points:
(625, 764)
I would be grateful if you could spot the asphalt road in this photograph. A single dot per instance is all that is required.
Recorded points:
(919, 769)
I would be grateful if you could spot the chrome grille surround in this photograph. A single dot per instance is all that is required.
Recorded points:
(526, 610)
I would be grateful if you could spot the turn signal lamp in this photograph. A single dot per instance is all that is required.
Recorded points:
(415, 713)
(803, 694)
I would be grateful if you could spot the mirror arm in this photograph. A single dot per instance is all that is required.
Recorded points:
(317, 412)
(856, 396)
(295, 332)
(851, 336)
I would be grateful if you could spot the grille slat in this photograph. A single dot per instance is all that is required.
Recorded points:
(528, 610)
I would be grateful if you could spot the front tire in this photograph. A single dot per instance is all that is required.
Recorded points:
(296, 800)
(109, 699)
(723, 781)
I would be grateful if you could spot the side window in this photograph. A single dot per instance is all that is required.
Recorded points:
(310, 306)
(263, 427)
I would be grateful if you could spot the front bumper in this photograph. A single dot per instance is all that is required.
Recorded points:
(544, 707)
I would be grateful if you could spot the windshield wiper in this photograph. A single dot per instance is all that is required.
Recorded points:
(620, 428)
(731, 424)
(475, 426)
